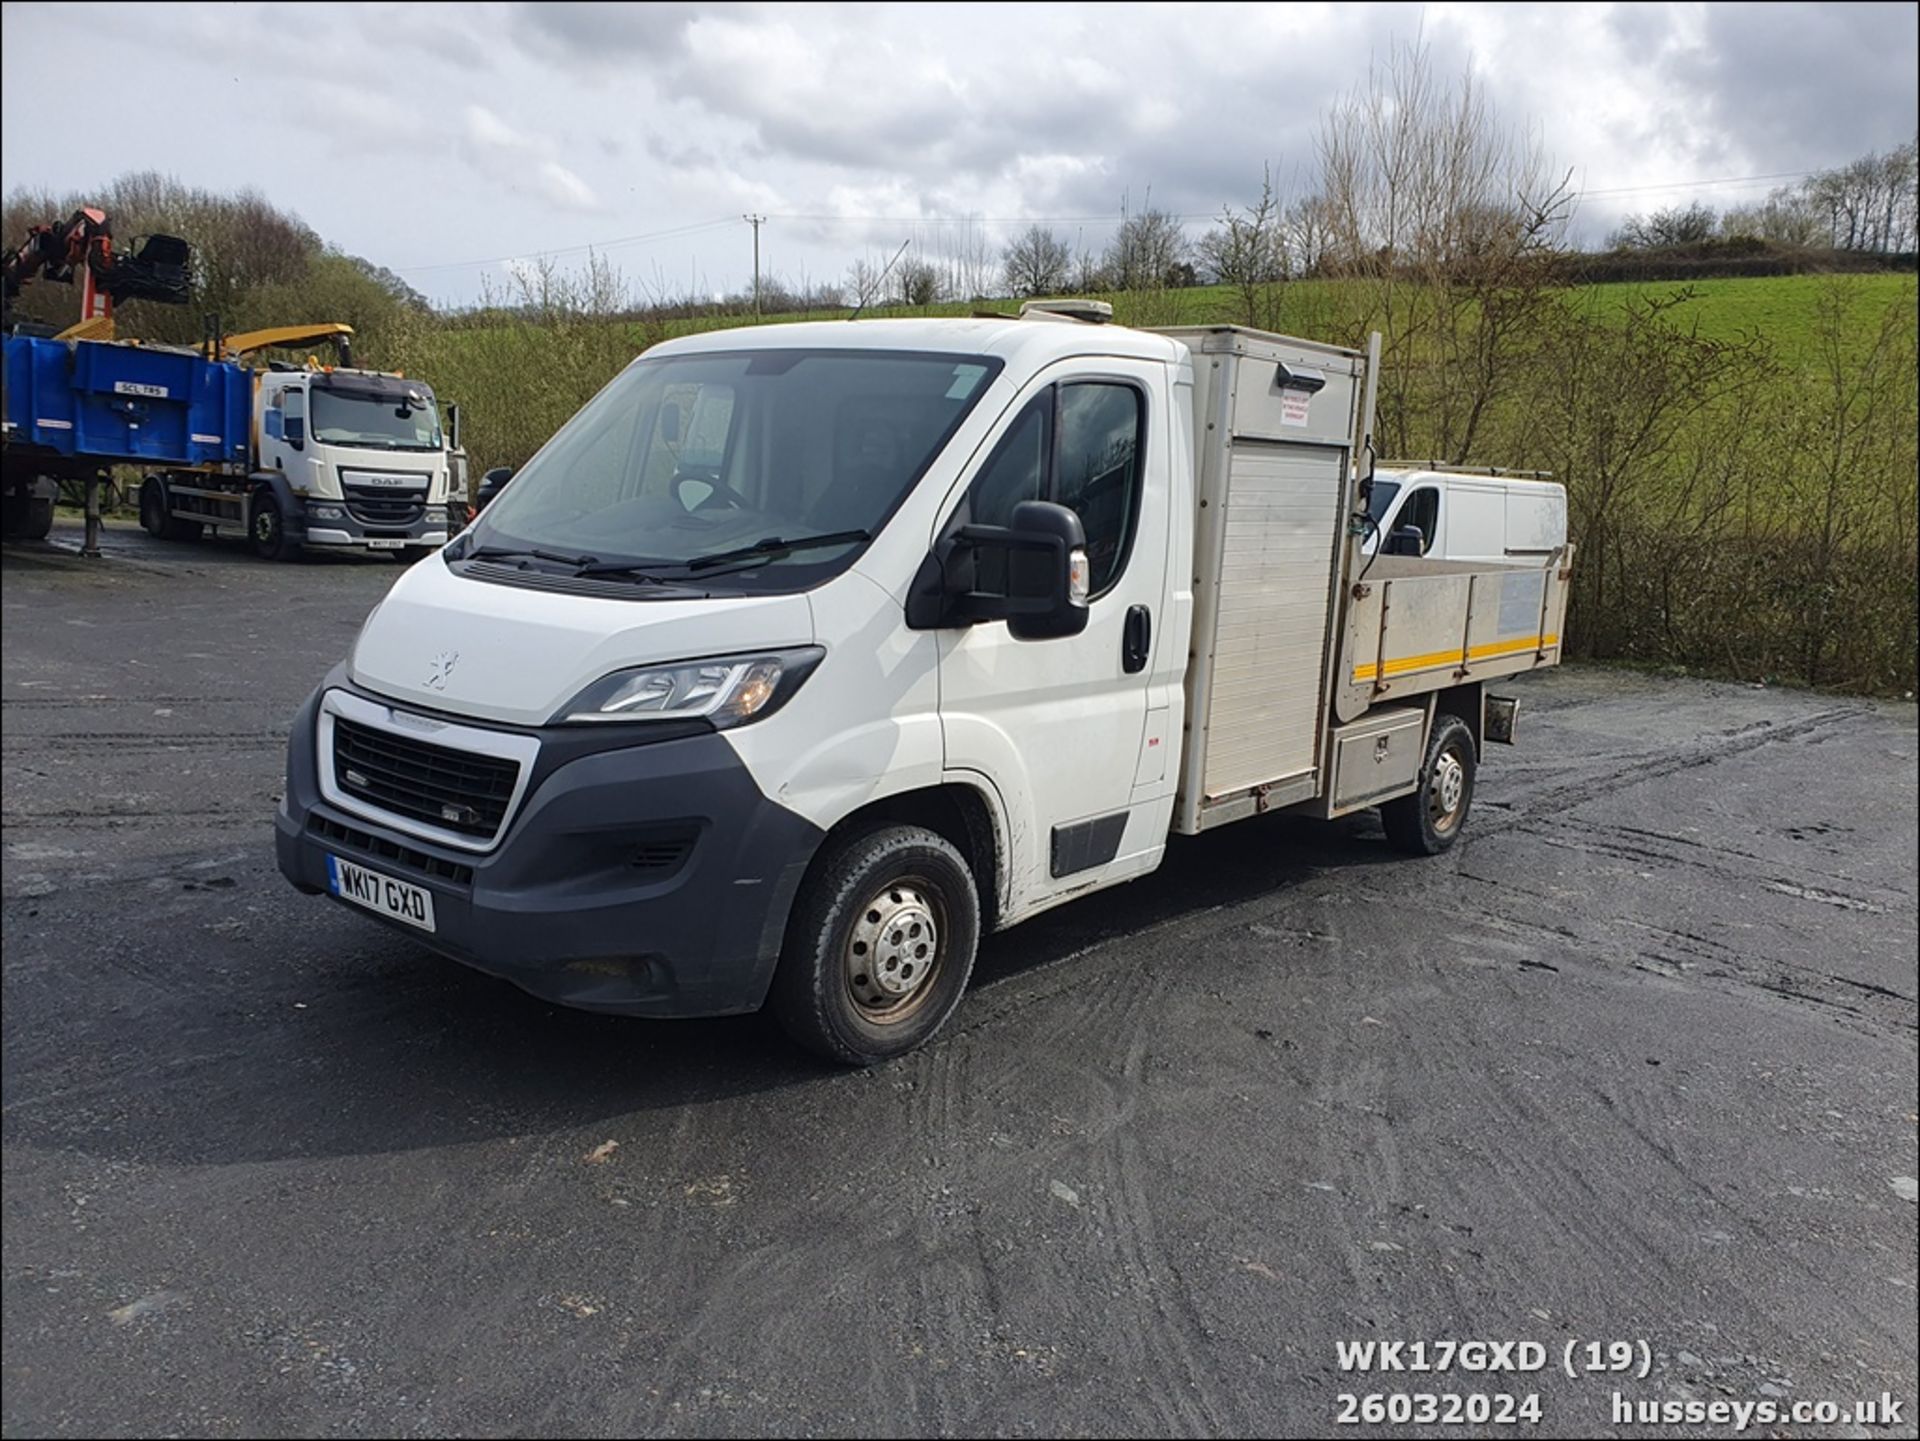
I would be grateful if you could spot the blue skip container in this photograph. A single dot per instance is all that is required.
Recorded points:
(89, 400)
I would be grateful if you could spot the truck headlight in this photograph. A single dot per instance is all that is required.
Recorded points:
(324, 512)
(726, 690)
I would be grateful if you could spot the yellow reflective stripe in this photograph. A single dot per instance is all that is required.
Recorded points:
(1364, 673)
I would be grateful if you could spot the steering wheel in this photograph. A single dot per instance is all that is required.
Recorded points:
(718, 492)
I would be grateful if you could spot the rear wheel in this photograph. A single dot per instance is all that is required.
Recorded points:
(1428, 821)
(267, 527)
(153, 508)
(39, 518)
(879, 947)
(156, 513)
(24, 516)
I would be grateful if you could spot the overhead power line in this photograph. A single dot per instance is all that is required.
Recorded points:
(697, 227)
(1705, 184)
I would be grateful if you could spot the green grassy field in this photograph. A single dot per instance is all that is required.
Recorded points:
(1778, 309)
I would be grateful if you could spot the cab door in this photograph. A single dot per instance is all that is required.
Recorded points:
(1059, 727)
(283, 424)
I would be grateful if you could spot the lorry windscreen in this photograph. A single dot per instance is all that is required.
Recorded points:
(686, 457)
(387, 418)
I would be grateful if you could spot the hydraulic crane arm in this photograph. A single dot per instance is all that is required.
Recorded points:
(160, 271)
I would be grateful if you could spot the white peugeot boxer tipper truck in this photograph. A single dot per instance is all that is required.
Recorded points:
(806, 655)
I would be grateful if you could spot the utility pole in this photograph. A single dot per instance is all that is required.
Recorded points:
(756, 221)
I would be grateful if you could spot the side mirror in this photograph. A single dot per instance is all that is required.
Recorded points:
(294, 428)
(1033, 574)
(453, 427)
(1407, 540)
(491, 484)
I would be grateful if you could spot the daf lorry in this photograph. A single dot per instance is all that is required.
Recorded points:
(337, 457)
(805, 656)
(287, 455)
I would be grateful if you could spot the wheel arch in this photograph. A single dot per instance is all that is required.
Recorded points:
(1468, 703)
(961, 813)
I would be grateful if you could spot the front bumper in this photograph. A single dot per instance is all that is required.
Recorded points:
(646, 880)
(331, 522)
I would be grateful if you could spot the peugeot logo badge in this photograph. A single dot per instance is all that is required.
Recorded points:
(443, 665)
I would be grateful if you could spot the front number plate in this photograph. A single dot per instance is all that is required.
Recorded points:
(381, 542)
(401, 900)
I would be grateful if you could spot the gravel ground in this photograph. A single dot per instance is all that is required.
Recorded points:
(1635, 1062)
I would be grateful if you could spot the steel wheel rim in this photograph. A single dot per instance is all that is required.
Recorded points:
(264, 526)
(895, 950)
(1447, 790)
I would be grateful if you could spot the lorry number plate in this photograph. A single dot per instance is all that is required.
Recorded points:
(401, 900)
(134, 387)
(379, 542)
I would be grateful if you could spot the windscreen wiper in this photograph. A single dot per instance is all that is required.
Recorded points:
(501, 552)
(772, 547)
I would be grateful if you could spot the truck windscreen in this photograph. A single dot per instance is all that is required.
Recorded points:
(690, 457)
(385, 419)
(1381, 499)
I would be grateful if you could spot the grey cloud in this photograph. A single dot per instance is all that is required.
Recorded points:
(597, 32)
(661, 115)
(1799, 86)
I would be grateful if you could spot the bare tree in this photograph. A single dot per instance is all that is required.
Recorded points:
(1088, 275)
(864, 278)
(1147, 251)
(1247, 252)
(915, 282)
(1037, 262)
(1674, 225)
(1309, 234)
(1443, 218)
(1785, 217)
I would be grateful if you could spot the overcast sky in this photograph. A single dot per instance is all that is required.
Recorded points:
(444, 141)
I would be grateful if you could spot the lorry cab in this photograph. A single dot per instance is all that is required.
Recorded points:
(804, 656)
(348, 458)
(1466, 515)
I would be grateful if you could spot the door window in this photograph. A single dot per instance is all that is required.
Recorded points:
(1077, 445)
(1423, 510)
(1017, 469)
(1096, 471)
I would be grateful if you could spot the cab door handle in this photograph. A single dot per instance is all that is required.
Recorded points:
(1136, 639)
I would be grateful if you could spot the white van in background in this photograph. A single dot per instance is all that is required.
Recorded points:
(1480, 515)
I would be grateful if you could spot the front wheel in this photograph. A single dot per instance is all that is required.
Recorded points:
(1431, 819)
(267, 528)
(879, 947)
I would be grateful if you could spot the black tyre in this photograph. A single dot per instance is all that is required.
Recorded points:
(412, 554)
(879, 947)
(1428, 821)
(37, 522)
(267, 528)
(156, 513)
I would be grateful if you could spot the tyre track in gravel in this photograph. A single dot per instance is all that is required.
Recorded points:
(1177, 1383)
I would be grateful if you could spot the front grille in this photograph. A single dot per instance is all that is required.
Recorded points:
(405, 857)
(378, 505)
(453, 790)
